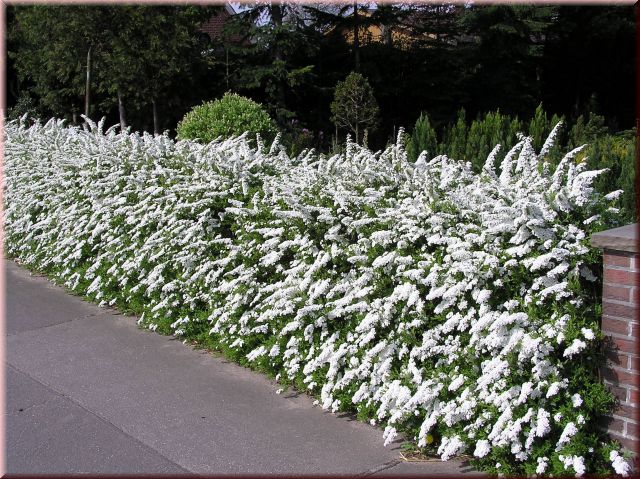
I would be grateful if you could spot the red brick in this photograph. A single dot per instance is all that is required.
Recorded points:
(633, 430)
(617, 260)
(616, 326)
(630, 411)
(635, 296)
(627, 376)
(635, 329)
(617, 390)
(612, 424)
(620, 376)
(620, 276)
(634, 396)
(620, 293)
(628, 443)
(625, 345)
(634, 363)
(215, 24)
(614, 358)
(618, 310)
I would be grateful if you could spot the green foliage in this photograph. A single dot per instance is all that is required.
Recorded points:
(473, 142)
(485, 133)
(422, 139)
(455, 137)
(616, 153)
(153, 49)
(268, 51)
(298, 139)
(24, 106)
(228, 116)
(354, 107)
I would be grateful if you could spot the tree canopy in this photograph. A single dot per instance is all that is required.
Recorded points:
(417, 58)
(133, 53)
(354, 107)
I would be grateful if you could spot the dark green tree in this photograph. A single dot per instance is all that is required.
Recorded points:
(423, 138)
(437, 74)
(50, 47)
(591, 50)
(454, 142)
(354, 108)
(503, 61)
(73, 57)
(153, 46)
(270, 46)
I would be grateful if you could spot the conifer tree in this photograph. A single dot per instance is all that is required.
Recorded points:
(423, 138)
(354, 107)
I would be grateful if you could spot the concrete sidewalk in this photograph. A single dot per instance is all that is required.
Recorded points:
(89, 392)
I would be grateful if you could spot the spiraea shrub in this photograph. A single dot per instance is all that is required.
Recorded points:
(231, 115)
(456, 308)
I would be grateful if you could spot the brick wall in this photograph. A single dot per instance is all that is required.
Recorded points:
(213, 27)
(621, 324)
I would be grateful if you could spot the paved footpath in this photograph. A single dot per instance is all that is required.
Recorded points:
(90, 392)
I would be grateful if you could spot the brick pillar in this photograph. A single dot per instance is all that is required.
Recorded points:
(620, 325)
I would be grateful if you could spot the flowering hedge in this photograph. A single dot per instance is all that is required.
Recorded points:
(458, 309)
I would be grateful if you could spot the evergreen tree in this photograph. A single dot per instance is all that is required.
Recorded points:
(271, 45)
(423, 138)
(78, 56)
(454, 143)
(354, 107)
(504, 61)
(591, 49)
(51, 45)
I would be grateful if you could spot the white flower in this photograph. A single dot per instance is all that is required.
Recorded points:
(578, 465)
(450, 447)
(389, 435)
(588, 333)
(542, 423)
(619, 464)
(576, 400)
(482, 448)
(543, 462)
(569, 431)
(553, 389)
(576, 346)
(350, 261)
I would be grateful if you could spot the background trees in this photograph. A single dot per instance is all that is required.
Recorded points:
(135, 55)
(418, 58)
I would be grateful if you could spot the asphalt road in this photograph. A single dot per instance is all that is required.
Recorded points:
(90, 392)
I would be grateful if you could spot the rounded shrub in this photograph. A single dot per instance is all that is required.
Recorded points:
(231, 115)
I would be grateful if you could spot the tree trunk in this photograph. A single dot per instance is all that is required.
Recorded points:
(156, 122)
(226, 55)
(356, 37)
(87, 90)
(123, 121)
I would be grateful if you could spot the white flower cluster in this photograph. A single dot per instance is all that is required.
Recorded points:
(425, 294)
